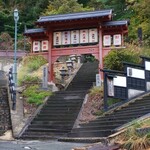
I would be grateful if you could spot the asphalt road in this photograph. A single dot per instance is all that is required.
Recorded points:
(38, 145)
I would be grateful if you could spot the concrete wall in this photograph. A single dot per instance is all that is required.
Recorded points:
(6, 64)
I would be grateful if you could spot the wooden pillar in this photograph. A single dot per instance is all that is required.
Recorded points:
(100, 51)
(50, 65)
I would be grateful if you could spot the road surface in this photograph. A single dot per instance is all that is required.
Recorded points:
(38, 145)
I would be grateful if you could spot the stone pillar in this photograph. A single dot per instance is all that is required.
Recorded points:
(45, 78)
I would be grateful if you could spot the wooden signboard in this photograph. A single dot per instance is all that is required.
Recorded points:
(65, 37)
(110, 87)
(36, 46)
(93, 35)
(75, 37)
(84, 36)
(45, 45)
(57, 38)
(107, 40)
(117, 39)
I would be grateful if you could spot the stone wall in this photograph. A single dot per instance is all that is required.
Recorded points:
(5, 123)
(6, 63)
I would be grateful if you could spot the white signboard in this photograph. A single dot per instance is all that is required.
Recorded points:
(45, 45)
(110, 87)
(98, 80)
(120, 81)
(117, 39)
(65, 37)
(57, 38)
(93, 35)
(36, 46)
(147, 65)
(84, 36)
(75, 37)
(135, 73)
(107, 40)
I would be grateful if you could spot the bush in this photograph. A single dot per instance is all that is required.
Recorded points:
(114, 59)
(34, 95)
(34, 62)
(112, 101)
(29, 79)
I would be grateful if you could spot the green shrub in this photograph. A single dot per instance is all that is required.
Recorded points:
(99, 113)
(114, 59)
(34, 62)
(29, 79)
(89, 58)
(112, 101)
(34, 95)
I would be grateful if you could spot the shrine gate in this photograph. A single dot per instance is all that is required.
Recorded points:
(76, 34)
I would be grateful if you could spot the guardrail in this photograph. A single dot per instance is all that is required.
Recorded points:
(12, 89)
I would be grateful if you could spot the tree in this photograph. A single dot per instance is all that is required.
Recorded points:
(96, 4)
(6, 42)
(142, 19)
(64, 6)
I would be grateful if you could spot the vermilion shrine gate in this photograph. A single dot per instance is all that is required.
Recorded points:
(76, 34)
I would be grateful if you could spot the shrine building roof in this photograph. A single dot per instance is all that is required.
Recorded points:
(32, 31)
(74, 16)
(116, 23)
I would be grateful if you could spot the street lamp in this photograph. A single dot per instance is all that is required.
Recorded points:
(16, 18)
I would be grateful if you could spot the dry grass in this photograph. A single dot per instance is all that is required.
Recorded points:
(131, 139)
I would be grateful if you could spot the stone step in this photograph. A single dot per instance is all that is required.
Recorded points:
(69, 101)
(63, 104)
(98, 127)
(53, 119)
(57, 130)
(57, 109)
(74, 92)
(91, 133)
(121, 117)
(139, 103)
(105, 122)
(118, 113)
(35, 135)
(144, 108)
(65, 123)
(58, 112)
(58, 115)
(54, 126)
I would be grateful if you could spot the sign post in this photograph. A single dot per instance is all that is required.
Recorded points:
(98, 80)
(45, 77)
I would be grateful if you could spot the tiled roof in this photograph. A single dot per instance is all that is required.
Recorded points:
(74, 16)
(31, 31)
(116, 23)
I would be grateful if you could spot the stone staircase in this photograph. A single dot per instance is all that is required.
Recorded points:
(106, 125)
(57, 117)
(5, 123)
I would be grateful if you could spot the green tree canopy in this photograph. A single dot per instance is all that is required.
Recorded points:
(64, 6)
